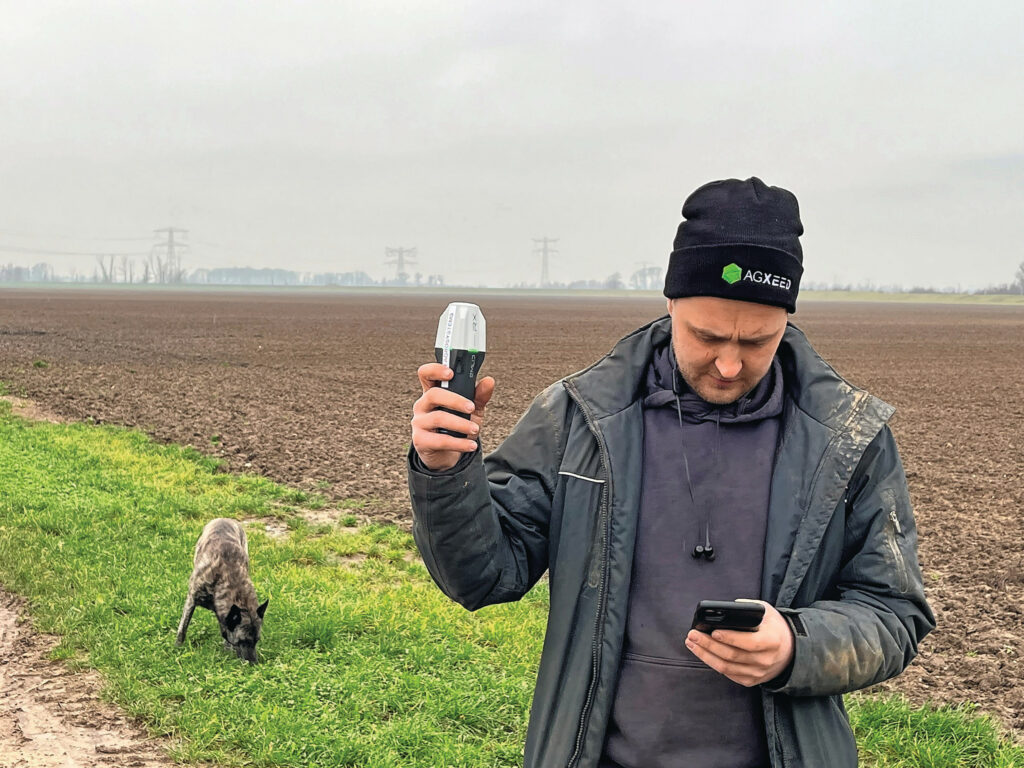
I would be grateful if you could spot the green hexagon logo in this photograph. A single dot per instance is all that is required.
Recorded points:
(732, 273)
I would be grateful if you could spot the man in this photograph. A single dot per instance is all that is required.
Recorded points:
(711, 455)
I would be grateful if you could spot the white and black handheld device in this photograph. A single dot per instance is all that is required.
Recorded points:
(460, 344)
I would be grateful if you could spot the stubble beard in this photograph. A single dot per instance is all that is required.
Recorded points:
(711, 395)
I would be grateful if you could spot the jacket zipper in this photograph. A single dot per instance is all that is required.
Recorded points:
(895, 521)
(778, 738)
(897, 530)
(603, 584)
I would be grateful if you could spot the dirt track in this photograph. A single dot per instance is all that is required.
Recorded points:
(52, 718)
(315, 390)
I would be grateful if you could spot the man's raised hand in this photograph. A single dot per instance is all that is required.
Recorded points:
(437, 450)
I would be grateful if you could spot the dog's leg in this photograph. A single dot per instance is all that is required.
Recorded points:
(186, 617)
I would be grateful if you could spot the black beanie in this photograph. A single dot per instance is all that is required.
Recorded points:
(738, 240)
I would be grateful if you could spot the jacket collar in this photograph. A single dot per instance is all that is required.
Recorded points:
(616, 381)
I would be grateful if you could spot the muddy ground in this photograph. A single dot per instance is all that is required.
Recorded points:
(315, 390)
(53, 718)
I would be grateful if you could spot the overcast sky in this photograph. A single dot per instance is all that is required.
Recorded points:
(313, 135)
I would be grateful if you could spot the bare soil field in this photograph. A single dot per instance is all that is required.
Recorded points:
(316, 389)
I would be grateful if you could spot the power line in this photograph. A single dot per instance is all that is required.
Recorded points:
(42, 252)
(51, 236)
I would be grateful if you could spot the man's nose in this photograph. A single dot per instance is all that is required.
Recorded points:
(729, 367)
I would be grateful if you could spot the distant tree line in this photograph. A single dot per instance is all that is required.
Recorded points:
(37, 273)
(1015, 286)
(251, 276)
(613, 282)
(870, 286)
(157, 271)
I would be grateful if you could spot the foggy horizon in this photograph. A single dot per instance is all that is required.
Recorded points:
(313, 137)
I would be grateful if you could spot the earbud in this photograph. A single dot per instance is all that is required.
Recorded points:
(704, 550)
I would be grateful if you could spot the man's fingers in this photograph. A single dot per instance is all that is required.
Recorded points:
(719, 649)
(743, 674)
(752, 642)
(436, 441)
(720, 643)
(484, 390)
(432, 374)
(436, 397)
(743, 666)
(438, 419)
(706, 656)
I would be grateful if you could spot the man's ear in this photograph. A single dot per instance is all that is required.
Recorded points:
(234, 618)
(668, 305)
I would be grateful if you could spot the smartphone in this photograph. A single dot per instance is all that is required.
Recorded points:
(738, 615)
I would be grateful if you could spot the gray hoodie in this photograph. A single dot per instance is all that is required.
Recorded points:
(670, 708)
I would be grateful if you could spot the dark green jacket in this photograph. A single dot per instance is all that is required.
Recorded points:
(561, 495)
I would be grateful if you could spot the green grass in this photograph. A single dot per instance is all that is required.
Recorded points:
(892, 734)
(365, 663)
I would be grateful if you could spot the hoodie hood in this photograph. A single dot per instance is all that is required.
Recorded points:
(763, 402)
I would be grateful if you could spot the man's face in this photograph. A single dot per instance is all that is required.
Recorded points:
(724, 347)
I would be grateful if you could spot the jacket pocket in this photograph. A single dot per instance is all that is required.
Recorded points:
(579, 538)
(893, 536)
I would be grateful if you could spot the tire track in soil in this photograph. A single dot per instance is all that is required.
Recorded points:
(51, 717)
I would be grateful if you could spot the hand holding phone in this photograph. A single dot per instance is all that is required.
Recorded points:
(759, 648)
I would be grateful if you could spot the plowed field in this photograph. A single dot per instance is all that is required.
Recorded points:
(315, 390)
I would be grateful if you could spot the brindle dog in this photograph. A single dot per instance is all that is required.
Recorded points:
(220, 582)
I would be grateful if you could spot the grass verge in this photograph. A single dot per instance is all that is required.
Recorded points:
(892, 734)
(365, 663)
